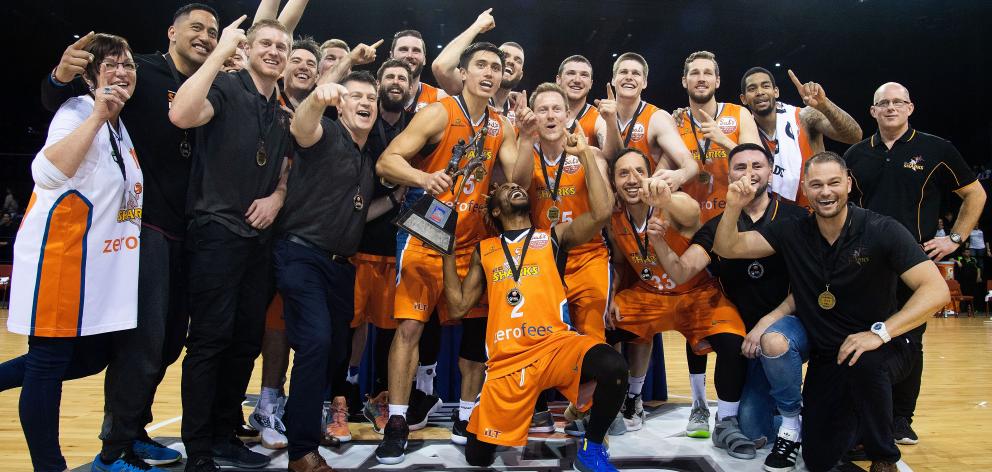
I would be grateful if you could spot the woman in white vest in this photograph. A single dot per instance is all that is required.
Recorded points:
(76, 253)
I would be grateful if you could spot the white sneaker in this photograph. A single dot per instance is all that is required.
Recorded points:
(269, 425)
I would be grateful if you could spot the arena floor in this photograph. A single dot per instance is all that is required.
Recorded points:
(953, 410)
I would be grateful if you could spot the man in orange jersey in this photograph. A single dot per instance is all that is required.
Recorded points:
(529, 341)
(664, 300)
(409, 46)
(710, 129)
(446, 71)
(429, 140)
(640, 125)
(793, 134)
(557, 185)
(575, 78)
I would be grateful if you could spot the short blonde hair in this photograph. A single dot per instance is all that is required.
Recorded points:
(334, 43)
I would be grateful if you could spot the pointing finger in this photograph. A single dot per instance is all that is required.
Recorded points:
(795, 81)
(609, 92)
(376, 44)
(82, 42)
(238, 21)
(706, 116)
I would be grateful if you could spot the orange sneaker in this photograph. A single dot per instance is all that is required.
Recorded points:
(376, 410)
(338, 424)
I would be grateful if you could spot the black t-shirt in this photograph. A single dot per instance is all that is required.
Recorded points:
(908, 181)
(379, 237)
(863, 267)
(323, 182)
(756, 286)
(156, 139)
(226, 176)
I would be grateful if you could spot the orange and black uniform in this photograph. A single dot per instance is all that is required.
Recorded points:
(696, 308)
(635, 133)
(587, 274)
(426, 94)
(709, 187)
(418, 287)
(530, 345)
(586, 121)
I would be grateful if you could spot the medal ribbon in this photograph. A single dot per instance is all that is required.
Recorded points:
(516, 269)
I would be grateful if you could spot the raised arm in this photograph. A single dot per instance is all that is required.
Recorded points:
(445, 65)
(667, 138)
(730, 243)
(65, 81)
(824, 116)
(394, 163)
(523, 166)
(267, 10)
(462, 295)
(72, 136)
(359, 56)
(586, 225)
(291, 14)
(607, 132)
(306, 128)
(190, 107)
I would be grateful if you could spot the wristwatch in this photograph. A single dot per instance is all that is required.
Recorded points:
(955, 238)
(879, 329)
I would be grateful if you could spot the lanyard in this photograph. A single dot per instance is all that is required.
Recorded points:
(515, 270)
(642, 245)
(702, 150)
(478, 134)
(413, 105)
(627, 131)
(547, 180)
(116, 150)
(582, 114)
(830, 256)
(184, 148)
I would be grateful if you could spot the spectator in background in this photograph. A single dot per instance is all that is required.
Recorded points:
(968, 273)
(7, 231)
(10, 204)
(979, 249)
(940, 229)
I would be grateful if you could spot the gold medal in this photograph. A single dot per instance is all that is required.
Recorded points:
(704, 177)
(553, 214)
(646, 274)
(480, 173)
(826, 300)
(261, 158)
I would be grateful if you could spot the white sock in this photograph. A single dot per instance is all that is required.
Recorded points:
(634, 385)
(465, 410)
(698, 384)
(425, 378)
(791, 425)
(269, 399)
(726, 409)
(398, 410)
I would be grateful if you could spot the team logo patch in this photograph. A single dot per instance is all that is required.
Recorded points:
(637, 133)
(915, 164)
(755, 270)
(539, 240)
(860, 256)
(571, 165)
(494, 127)
(727, 124)
(420, 106)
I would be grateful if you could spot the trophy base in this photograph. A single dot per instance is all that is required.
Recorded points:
(431, 221)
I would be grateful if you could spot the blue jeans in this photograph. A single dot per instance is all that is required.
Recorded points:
(48, 363)
(774, 383)
(319, 300)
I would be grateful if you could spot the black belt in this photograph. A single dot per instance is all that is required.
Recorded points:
(307, 244)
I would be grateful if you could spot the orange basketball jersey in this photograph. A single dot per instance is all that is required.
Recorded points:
(651, 275)
(518, 335)
(471, 208)
(635, 133)
(586, 121)
(573, 195)
(426, 95)
(709, 187)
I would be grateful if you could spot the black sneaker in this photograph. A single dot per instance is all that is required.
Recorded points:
(201, 464)
(355, 403)
(903, 432)
(784, 452)
(245, 431)
(234, 453)
(422, 406)
(392, 449)
(459, 429)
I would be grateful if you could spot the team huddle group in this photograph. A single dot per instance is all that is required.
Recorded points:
(253, 164)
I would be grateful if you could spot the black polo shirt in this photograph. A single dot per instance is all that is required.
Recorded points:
(862, 267)
(156, 139)
(379, 237)
(323, 182)
(226, 177)
(908, 181)
(756, 286)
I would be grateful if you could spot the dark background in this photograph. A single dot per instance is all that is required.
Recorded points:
(938, 49)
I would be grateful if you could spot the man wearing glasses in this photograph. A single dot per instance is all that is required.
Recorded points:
(903, 173)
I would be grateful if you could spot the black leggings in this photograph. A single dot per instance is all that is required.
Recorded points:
(430, 341)
(380, 360)
(601, 364)
(731, 365)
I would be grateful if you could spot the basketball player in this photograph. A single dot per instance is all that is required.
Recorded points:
(528, 339)
(640, 125)
(575, 78)
(462, 120)
(793, 134)
(557, 185)
(446, 72)
(691, 304)
(409, 46)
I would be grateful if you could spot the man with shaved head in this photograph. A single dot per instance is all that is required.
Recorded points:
(903, 173)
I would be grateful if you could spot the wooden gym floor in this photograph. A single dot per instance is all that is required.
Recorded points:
(952, 414)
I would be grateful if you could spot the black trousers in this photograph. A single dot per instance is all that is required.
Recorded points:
(842, 403)
(906, 390)
(228, 289)
(142, 355)
(319, 298)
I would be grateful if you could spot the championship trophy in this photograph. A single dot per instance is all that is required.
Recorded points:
(433, 221)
